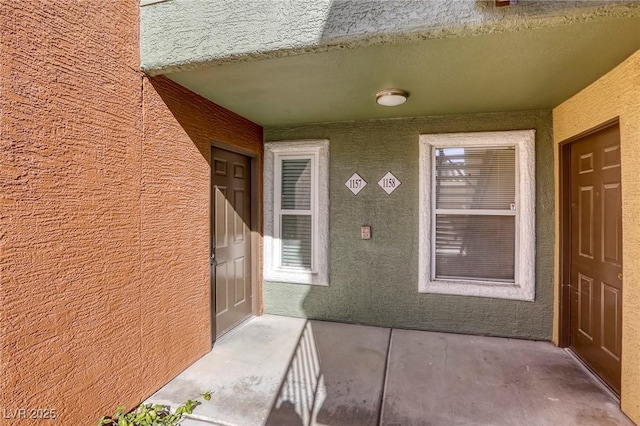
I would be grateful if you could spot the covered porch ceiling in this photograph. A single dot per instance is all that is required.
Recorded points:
(507, 71)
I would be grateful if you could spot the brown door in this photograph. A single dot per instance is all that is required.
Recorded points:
(231, 239)
(596, 253)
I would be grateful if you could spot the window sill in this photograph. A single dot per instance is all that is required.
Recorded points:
(479, 289)
(295, 277)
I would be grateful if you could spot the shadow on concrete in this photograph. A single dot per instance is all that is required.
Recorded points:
(335, 376)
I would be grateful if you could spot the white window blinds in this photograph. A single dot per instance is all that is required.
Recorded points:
(475, 213)
(296, 184)
(296, 215)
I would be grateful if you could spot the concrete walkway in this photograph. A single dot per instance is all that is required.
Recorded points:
(287, 371)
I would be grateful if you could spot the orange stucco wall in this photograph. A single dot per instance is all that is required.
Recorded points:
(614, 95)
(104, 212)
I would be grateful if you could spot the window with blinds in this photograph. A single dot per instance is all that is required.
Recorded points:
(296, 212)
(296, 215)
(474, 194)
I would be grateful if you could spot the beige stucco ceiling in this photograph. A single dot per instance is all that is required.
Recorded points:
(506, 71)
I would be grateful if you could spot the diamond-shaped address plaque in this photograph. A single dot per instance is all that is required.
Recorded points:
(355, 183)
(389, 183)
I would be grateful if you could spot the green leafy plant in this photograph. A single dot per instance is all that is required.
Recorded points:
(151, 414)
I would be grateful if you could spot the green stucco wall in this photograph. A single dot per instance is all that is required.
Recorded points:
(375, 281)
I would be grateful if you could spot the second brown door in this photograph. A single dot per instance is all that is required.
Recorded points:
(231, 239)
(596, 253)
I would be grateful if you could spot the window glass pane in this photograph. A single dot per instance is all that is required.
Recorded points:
(475, 247)
(475, 178)
(296, 241)
(296, 184)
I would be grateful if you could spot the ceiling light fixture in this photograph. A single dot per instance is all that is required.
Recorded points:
(391, 97)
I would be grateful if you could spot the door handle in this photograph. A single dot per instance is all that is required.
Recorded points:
(620, 276)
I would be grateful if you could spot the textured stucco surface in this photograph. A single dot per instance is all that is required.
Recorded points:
(616, 94)
(104, 218)
(375, 282)
(525, 70)
(70, 218)
(184, 34)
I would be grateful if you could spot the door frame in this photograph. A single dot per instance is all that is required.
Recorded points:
(564, 264)
(255, 228)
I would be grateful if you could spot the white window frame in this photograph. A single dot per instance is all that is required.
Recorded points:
(318, 152)
(524, 286)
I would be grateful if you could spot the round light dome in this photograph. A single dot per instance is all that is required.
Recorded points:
(391, 97)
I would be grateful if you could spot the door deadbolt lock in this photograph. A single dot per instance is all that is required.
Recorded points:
(212, 259)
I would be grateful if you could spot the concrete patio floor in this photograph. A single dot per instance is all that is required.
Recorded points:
(287, 371)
